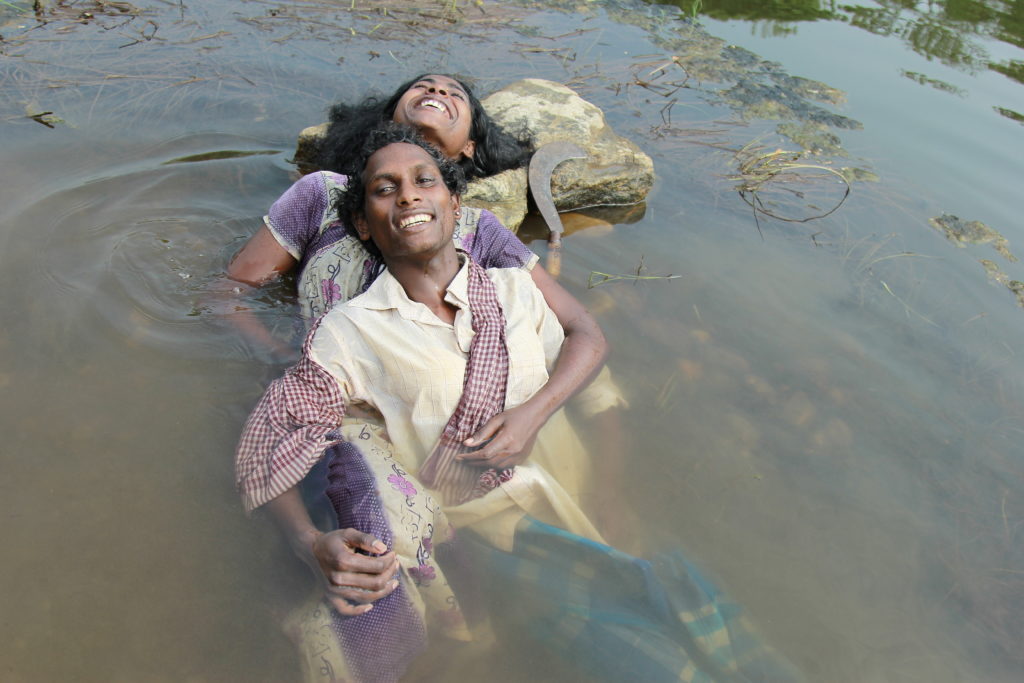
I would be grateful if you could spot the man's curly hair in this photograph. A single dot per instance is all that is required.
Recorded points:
(351, 202)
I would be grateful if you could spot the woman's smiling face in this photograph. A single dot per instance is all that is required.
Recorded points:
(439, 108)
(407, 209)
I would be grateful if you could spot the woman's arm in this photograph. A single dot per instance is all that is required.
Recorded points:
(296, 217)
(261, 260)
(583, 352)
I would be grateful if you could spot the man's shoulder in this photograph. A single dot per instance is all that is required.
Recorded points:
(512, 281)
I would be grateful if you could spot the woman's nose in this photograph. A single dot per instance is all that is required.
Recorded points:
(439, 89)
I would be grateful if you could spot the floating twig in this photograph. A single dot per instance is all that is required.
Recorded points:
(598, 278)
(906, 306)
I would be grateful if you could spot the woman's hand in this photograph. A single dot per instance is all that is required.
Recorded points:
(511, 435)
(261, 261)
(353, 581)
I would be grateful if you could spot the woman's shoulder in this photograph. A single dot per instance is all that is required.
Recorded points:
(493, 245)
(326, 178)
(317, 182)
(300, 212)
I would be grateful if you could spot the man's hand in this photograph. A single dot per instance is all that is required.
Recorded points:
(353, 581)
(511, 435)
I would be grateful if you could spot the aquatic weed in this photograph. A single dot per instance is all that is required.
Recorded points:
(757, 169)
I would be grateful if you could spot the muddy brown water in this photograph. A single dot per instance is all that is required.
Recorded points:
(827, 416)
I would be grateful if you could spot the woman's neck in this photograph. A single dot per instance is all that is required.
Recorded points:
(427, 280)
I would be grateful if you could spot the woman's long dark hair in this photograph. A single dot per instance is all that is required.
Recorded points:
(496, 150)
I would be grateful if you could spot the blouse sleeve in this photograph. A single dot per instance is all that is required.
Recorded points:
(495, 246)
(288, 431)
(296, 217)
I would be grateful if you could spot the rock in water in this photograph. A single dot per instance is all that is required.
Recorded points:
(503, 194)
(615, 172)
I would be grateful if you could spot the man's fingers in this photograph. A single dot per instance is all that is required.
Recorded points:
(364, 541)
(498, 446)
(385, 565)
(489, 429)
(346, 608)
(502, 462)
(362, 597)
(370, 582)
(364, 564)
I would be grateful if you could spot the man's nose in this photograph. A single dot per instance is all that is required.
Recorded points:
(408, 193)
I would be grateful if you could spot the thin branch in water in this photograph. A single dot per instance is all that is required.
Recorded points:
(598, 278)
(906, 306)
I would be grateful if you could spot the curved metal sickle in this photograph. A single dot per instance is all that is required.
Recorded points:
(542, 165)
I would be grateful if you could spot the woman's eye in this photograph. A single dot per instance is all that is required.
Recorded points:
(425, 180)
(384, 189)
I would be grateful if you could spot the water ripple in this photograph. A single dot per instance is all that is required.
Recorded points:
(144, 243)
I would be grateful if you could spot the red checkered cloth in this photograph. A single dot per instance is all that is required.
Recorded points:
(483, 396)
(288, 430)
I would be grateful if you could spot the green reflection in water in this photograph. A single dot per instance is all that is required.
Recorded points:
(951, 31)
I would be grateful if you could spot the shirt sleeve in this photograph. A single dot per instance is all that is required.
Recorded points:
(600, 395)
(544, 320)
(495, 246)
(296, 217)
(288, 431)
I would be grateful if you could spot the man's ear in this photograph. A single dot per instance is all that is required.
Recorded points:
(361, 228)
(469, 149)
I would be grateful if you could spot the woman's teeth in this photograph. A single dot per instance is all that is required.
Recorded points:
(435, 104)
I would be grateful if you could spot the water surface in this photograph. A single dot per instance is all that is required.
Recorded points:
(826, 415)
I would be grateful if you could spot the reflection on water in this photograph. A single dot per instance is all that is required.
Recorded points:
(950, 32)
(826, 415)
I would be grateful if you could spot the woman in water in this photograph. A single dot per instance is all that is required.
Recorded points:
(433, 349)
(303, 230)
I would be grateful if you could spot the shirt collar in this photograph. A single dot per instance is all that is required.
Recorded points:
(387, 293)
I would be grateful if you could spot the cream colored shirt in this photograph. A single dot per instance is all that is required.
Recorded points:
(392, 355)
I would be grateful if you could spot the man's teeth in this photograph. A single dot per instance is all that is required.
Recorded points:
(414, 220)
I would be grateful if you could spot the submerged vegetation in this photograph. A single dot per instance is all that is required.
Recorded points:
(759, 169)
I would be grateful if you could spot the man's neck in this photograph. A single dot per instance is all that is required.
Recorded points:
(426, 280)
